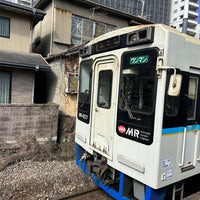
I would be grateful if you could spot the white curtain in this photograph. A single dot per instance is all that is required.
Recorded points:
(4, 87)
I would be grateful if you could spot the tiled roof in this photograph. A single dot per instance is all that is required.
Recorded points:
(30, 61)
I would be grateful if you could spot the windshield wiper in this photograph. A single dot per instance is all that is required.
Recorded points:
(130, 114)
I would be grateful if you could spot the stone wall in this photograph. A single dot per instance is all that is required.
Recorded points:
(57, 80)
(28, 121)
(66, 137)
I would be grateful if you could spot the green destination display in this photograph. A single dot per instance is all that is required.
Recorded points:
(139, 60)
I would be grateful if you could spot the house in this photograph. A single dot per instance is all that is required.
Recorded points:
(17, 76)
(22, 77)
(74, 22)
(17, 23)
(19, 69)
(66, 26)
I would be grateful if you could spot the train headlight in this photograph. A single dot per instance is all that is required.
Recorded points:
(85, 51)
(141, 36)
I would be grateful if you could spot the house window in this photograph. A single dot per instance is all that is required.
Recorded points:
(5, 87)
(72, 83)
(4, 27)
(84, 30)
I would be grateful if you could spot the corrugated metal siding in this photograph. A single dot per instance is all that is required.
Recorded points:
(154, 10)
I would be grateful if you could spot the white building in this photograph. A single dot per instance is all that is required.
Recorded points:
(184, 15)
(28, 3)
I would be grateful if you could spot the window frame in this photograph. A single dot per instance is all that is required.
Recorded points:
(78, 34)
(108, 74)
(8, 21)
(194, 105)
(71, 77)
(10, 86)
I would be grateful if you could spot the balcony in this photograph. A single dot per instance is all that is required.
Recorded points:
(191, 32)
(192, 14)
(192, 23)
(193, 6)
(194, 1)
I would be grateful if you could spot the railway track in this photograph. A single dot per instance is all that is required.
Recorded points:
(94, 193)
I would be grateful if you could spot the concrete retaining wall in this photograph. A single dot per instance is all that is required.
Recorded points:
(25, 122)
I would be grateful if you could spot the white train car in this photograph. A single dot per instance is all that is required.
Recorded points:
(138, 113)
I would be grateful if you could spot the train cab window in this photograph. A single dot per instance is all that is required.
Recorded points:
(192, 97)
(104, 89)
(84, 96)
(137, 92)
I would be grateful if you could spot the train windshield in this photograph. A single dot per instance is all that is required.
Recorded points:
(138, 81)
(137, 95)
(84, 97)
(137, 90)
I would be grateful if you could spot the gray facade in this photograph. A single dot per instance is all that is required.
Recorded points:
(153, 10)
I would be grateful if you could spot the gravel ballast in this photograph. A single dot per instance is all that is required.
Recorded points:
(33, 171)
(41, 180)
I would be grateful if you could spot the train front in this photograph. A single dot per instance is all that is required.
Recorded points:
(122, 84)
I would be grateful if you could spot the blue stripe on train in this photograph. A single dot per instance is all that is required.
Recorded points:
(180, 130)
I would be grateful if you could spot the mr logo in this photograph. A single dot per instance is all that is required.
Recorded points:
(133, 132)
(130, 131)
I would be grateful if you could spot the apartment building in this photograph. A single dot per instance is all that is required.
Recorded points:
(185, 15)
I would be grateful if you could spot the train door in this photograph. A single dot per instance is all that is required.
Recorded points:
(104, 101)
(191, 127)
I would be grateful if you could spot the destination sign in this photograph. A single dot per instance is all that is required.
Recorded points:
(139, 60)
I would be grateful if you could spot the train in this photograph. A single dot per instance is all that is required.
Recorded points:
(138, 111)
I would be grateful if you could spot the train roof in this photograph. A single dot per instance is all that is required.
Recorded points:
(133, 28)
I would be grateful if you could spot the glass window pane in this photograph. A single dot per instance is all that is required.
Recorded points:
(84, 29)
(4, 27)
(85, 91)
(138, 90)
(109, 28)
(4, 87)
(104, 89)
(77, 25)
(192, 96)
(88, 28)
(100, 29)
(77, 41)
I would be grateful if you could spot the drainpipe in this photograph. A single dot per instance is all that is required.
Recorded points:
(31, 38)
(185, 16)
(52, 28)
(31, 31)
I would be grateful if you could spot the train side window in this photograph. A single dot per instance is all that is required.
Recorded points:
(172, 106)
(192, 97)
(172, 102)
(104, 89)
